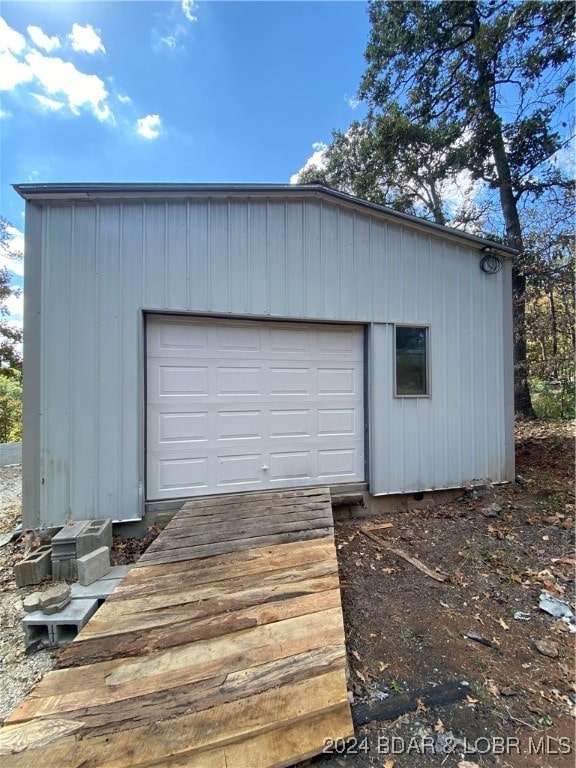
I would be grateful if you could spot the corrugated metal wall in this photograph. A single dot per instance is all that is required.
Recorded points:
(95, 267)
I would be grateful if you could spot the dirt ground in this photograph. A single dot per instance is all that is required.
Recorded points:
(498, 549)
(406, 631)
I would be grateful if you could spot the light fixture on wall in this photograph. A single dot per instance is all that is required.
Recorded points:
(490, 264)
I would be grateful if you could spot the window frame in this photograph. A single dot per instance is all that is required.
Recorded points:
(419, 326)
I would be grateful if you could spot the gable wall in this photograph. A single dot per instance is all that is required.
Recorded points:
(91, 270)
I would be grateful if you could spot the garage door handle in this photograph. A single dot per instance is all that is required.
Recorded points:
(264, 467)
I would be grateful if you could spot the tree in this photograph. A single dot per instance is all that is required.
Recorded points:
(483, 86)
(10, 336)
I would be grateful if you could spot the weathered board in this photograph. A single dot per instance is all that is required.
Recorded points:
(232, 659)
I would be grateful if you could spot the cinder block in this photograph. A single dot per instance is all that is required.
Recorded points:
(62, 627)
(35, 567)
(93, 566)
(97, 534)
(64, 570)
(64, 542)
(98, 590)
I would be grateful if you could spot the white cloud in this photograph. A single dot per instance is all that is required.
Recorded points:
(14, 244)
(10, 39)
(86, 39)
(12, 71)
(316, 160)
(123, 98)
(42, 40)
(62, 77)
(188, 6)
(352, 102)
(15, 307)
(4, 114)
(51, 105)
(169, 41)
(149, 127)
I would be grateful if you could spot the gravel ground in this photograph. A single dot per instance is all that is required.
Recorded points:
(18, 672)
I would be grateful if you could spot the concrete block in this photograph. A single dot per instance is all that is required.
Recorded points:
(98, 590)
(97, 534)
(118, 572)
(93, 566)
(64, 570)
(35, 567)
(64, 542)
(32, 602)
(55, 598)
(61, 628)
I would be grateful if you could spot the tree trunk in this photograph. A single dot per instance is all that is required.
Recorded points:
(493, 127)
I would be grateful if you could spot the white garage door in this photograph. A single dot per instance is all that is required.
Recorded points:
(241, 406)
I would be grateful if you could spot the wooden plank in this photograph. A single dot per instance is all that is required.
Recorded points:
(237, 656)
(271, 498)
(231, 530)
(189, 552)
(89, 650)
(169, 577)
(106, 710)
(202, 659)
(256, 510)
(194, 733)
(255, 557)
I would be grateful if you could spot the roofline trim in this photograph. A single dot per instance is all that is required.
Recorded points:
(119, 190)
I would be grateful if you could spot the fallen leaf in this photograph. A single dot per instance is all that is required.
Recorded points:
(356, 655)
(421, 709)
(439, 727)
(503, 624)
(467, 764)
(361, 676)
(388, 763)
(470, 700)
(383, 666)
(492, 688)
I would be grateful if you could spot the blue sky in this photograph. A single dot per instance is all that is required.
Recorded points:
(174, 91)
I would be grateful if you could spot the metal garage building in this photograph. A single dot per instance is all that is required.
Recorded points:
(185, 340)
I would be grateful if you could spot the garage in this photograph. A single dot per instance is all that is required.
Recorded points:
(251, 405)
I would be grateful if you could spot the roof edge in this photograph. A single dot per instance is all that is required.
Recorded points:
(120, 190)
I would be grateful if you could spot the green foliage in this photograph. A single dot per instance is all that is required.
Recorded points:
(479, 87)
(10, 409)
(554, 401)
(10, 336)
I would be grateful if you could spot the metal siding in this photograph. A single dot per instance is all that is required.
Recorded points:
(55, 401)
(33, 373)
(102, 265)
(83, 361)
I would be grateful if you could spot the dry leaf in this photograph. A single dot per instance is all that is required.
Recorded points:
(503, 624)
(470, 700)
(387, 570)
(439, 727)
(383, 666)
(492, 688)
(421, 708)
(388, 763)
(356, 655)
(361, 676)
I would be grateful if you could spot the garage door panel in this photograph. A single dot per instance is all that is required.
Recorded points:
(337, 381)
(182, 427)
(239, 381)
(182, 380)
(292, 382)
(239, 425)
(251, 405)
(290, 423)
(337, 463)
(178, 476)
(337, 421)
(291, 465)
(239, 470)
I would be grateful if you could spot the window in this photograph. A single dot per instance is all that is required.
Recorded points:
(411, 361)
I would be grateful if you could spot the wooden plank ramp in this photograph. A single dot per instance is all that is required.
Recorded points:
(223, 647)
